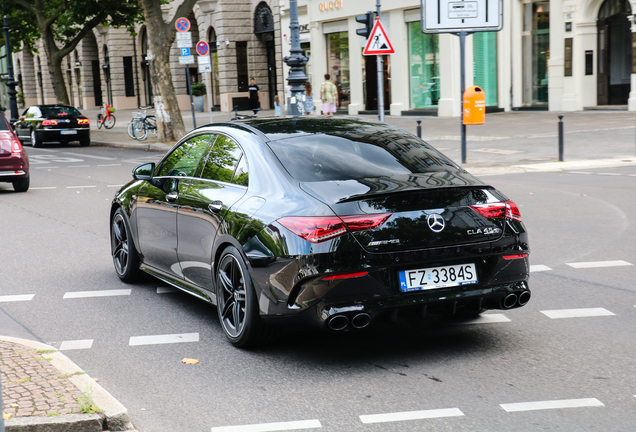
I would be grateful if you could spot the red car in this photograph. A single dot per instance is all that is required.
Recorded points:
(14, 161)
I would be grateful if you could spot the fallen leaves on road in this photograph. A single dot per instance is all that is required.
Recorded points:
(189, 361)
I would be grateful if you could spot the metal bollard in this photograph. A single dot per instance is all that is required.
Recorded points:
(419, 128)
(560, 137)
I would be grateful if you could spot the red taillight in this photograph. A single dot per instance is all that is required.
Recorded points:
(346, 276)
(16, 147)
(507, 209)
(512, 257)
(83, 121)
(318, 229)
(49, 123)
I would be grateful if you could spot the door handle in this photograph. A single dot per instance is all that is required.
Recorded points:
(215, 206)
(172, 197)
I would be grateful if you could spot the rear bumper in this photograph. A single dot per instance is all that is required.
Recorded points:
(12, 175)
(57, 135)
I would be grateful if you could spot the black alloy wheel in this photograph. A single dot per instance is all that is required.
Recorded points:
(237, 304)
(123, 249)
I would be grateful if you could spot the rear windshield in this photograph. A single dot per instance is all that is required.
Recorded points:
(327, 157)
(53, 111)
(3, 123)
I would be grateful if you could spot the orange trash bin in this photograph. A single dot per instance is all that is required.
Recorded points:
(474, 106)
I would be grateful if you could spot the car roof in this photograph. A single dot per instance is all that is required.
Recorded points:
(277, 128)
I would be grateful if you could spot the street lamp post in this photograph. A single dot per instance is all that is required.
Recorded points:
(296, 61)
(13, 104)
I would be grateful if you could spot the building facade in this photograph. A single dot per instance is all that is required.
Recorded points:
(561, 55)
(110, 65)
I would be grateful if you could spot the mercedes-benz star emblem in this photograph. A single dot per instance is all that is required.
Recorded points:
(435, 222)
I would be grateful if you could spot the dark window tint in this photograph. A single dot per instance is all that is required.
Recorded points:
(325, 157)
(3, 123)
(241, 66)
(221, 160)
(240, 174)
(128, 76)
(184, 160)
(56, 110)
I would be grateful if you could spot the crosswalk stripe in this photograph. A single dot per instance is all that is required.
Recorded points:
(577, 313)
(163, 339)
(76, 344)
(554, 404)
(16, 298)
(411, 415)
(598, 264)
(100, 293)
(539, 268)
(271, 427)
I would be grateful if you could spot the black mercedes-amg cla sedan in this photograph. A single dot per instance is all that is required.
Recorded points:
(329, 223)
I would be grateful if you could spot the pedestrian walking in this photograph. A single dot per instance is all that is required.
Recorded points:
(278, 108)
(255, 95)
(328, 96)
(309, 100)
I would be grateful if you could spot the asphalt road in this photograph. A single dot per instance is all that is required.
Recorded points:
(564, 362)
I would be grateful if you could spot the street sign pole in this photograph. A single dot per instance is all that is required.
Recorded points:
(462, 89)
(209, 92)
(194, 120)
(380, 73)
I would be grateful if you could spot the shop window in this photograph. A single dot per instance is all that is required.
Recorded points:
(241, 66)
(128, 76)
(485, 64)
(536, 52)
(338, 65)
(424, 67)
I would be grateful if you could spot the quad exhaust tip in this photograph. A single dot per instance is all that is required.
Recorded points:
(509, 301)
(361, 320)
(524, 298)
(338, 322)
(341, 322)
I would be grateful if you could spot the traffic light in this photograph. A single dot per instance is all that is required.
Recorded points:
(368, 20)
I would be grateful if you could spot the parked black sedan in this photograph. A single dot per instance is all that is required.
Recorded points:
(330, 223)
(39, 124)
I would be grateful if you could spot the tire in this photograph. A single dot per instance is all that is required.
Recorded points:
(100, 117)
(22, 185)
(140, 130)
(109, 121)
(35, 142)
(122, 246)
(237, 304)
(130, 130)
(85, 142)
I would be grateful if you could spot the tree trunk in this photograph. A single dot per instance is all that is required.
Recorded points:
(161, 36)
(54, 62)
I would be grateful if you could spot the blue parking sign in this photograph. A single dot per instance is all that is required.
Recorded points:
(185, 52)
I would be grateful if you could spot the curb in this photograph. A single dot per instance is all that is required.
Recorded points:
(158, 147)
(552, 166)
(114, 416)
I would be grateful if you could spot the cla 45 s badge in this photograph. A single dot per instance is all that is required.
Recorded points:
(485, 231)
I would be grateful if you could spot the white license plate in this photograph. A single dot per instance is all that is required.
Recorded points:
(68, 132)
(437, 277)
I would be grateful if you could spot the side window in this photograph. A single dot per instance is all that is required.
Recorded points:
(33, 112)
(221, 160)
(240, 175)
(184, 160)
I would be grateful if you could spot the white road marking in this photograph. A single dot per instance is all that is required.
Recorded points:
(163, 339)
(166, 290)
(577, 313)
(43, 188)
(100, 293)
(497, 151)
(78, 166)
(76, 344)
(555, 404)
(16, 298)
(108, 165)
(597, 264)
(271, 427)
(579, 172)
(609, 174)
(486, 319)
(115, 185)
(79, 187)
(539, 268)
(47, 167)
(411, 415)
(93, 157)
(44, 150)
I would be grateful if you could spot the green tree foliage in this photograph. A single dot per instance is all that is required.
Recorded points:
(23, 28)
(61, 24)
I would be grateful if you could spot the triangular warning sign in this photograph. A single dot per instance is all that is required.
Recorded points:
(378, 43)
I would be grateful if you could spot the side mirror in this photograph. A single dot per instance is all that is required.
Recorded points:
(144, 172)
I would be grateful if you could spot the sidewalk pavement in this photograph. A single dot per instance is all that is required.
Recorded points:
(43, 390)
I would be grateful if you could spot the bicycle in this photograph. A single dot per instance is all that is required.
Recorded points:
(109, 120)
(238, 116)
(136, 115)
(143, 125)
